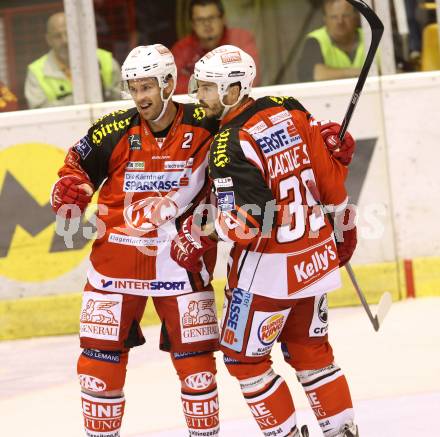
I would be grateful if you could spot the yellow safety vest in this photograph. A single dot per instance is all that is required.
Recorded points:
(335, 57)
(56, 88)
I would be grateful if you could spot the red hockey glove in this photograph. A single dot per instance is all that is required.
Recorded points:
(71, 190)
(189, 245)
(345, 226)
(344, 151)
(346, 248)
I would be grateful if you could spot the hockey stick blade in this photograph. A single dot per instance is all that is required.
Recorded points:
(383, 307)
(377, 29)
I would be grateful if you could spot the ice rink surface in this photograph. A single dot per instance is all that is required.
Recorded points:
(394, 377)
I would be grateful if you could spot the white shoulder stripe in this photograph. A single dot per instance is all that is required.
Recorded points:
(251, 154)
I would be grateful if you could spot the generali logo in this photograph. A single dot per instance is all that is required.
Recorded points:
(98, 311)
(100, 316)
(198, 317)
(199, 313)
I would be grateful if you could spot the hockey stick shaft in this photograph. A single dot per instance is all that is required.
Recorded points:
(377, 29)
(385, 301)
(373, 319)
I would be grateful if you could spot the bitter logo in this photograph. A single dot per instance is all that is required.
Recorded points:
(30, 249)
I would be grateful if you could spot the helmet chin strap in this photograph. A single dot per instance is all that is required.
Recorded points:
(164, 101)
(227, 108)
(164, 106)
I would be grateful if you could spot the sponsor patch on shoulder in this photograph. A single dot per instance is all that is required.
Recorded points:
(278, 138)
(83, 147)
(226, 201)
(223, 182)
(257, 128)
(281, 116)
(135, 142)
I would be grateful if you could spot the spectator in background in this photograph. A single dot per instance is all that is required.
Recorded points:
(8, 101)
(336, 50)
(209, 31)
(49, 81)
(415, 30)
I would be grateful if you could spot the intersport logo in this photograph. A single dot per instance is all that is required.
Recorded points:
(318, 262)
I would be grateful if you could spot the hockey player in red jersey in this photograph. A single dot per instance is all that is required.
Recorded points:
(284, 258)
(150, 163)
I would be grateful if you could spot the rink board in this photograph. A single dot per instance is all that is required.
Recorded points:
(58, 314)
(392, 179)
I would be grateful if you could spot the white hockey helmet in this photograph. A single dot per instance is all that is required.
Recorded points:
(227, 65)
(151, 61)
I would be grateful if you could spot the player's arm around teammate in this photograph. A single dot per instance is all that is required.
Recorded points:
(285, 257)
(150, 165)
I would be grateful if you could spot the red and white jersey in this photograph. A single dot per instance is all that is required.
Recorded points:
(148, 186)
(260, 162)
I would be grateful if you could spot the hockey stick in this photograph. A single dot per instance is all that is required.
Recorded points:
(377, 29)
(385, 300)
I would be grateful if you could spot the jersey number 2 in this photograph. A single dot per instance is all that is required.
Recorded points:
(188, 138)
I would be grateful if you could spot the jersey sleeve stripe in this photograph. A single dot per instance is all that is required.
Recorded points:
(251, 155)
